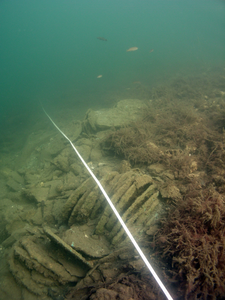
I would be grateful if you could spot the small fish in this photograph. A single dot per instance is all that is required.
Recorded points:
(132, 49)
(101, 39)
(151, 50)
(99, 76)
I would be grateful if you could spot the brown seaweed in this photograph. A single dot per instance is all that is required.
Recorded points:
(191, 243)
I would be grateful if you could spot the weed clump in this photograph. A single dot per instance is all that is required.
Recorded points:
(133, 143)
(191, 242)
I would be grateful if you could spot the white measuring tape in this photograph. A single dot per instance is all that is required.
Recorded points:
(158, 280)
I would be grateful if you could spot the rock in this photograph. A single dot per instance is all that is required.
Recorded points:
(85, 151)
(126, 111)
(71, 182)
(55, 146)
(54, 188)
(31, 150)
(96, 154)
(84, 242)
(9, 289)
(17, 177)
(124, 166)
(36, 265)
(14, 217)
(37, 194)
(44, 213)
(67, 247)
(84, 147)
(13, 185)
(62, 163)
(155, 169)
(76, 168)
(171, 191)
(15, 236)
(10, 174)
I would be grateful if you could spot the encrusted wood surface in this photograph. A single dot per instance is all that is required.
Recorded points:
(134, 195)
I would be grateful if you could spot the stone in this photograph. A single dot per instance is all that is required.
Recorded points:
(13, 185)
(53, 237)
(83, 242)
(123, 113)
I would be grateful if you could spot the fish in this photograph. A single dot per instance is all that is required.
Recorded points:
(101, 39)
(132, 49)
(99, 76)
(151, 50)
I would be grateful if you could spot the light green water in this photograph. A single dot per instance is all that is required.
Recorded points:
(50, 51)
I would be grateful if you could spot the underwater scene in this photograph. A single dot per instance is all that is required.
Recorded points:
(112, 150)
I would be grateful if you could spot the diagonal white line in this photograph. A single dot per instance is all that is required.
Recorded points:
(158, 280)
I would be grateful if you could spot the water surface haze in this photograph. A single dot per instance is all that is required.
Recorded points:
(50, 51)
